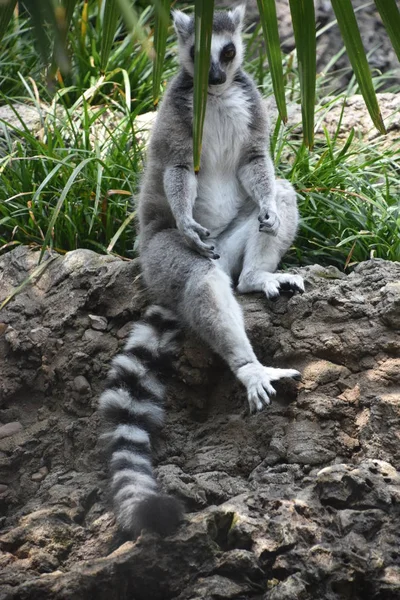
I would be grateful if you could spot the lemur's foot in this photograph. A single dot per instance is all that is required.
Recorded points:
(194, 233)
(283, 282)
(269, 222)
(257, 380)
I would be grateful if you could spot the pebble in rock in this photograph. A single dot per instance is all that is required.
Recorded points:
(10, 429)
(81, 384)
(40, 475)
(99, 323)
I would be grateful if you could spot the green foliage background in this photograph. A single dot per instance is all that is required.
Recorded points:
(68, 187)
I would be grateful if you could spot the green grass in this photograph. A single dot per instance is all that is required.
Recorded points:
(66, 188)
(82, 183)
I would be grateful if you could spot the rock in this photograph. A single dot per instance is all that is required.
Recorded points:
(40, 475)
(81, 384)
(300, 501)
(10, 429)
(292, 587)
(99, 323)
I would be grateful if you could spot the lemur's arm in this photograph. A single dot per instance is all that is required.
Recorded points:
(180, 185)
(257, 176)
(256, 170)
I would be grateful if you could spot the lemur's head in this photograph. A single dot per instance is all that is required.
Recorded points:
(226, 45)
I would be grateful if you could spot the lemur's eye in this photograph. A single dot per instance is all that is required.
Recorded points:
(192, 53)
(228, 52)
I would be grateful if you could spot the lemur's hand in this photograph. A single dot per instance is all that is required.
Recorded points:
(193, 233)
(269, 222)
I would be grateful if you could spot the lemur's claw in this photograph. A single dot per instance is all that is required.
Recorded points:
(269, 223)
(194, 233)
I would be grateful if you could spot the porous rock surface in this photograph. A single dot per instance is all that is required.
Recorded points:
(299, 502)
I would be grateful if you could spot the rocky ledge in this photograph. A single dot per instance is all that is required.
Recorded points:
(298, 502)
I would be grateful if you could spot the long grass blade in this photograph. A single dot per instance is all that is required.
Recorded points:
(160, 43)
(204, 11)
(43, 12)
(84, 21)
(110, 22)
(390, 16)
(60, 202)
(352, 39)
(303, 19)
(133, 23)
(38, 270)
(269, 22)
(64, 14)
(120, 229)
(69, 7)
(6, 13)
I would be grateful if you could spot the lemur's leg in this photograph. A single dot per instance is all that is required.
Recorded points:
(263, 251)
(201, 294)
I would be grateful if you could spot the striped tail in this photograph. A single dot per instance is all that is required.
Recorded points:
(132, 407)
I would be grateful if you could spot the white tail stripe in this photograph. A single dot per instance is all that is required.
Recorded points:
(135, 478)
(143, 483)
(153, 386)
(136, 460)
(165, 313)
(132, 433)
(145, 335)
(131, 364)
(121, 398)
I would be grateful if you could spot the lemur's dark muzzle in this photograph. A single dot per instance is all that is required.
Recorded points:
(216, 76)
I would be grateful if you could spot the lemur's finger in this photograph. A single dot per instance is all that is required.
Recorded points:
(201, 231)
(196, 244)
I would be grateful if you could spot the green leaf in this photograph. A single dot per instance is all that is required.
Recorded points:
(69, 6)
(160, 42)
(42, 12)
(203, 15)
(352, 39)
(303, 19)
(64, 15)
(269, 22)
(110, 22)
(120, 230)
(6, 13)
(60, 202)
(390, 16)
(132, 21)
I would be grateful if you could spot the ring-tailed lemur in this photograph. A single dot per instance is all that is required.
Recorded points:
(198, 233)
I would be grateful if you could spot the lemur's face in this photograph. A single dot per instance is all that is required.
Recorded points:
(226, 46)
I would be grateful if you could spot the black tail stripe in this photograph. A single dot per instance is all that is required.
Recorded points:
(131, 382)
(160, 322)
(121, 483)
(118, 464)
(157, 363)
(142, 353)
(120, 415)
(122, 443)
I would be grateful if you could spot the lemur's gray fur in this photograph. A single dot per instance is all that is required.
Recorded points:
(198, 233)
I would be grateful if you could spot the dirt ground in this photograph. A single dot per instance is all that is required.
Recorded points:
(300, 501)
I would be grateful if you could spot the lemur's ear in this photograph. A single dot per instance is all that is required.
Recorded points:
(181, 24)
(237, 15)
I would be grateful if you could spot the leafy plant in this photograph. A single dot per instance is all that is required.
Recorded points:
(70, 183)
(59, 14)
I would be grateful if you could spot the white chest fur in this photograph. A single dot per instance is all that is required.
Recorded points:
(226, 130)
